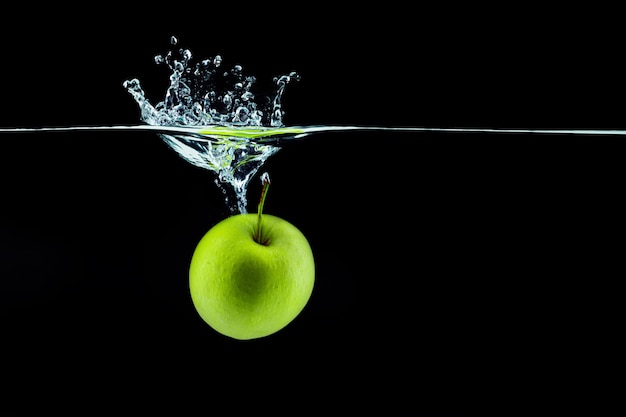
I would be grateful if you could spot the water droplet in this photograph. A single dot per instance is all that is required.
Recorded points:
(173, 40)
(241, 114)
(227, 100)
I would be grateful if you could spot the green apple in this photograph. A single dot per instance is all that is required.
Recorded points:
(251, 275)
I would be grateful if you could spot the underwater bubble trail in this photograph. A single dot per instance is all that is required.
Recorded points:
(236, 153)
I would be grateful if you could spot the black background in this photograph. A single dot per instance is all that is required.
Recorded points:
(454, 271)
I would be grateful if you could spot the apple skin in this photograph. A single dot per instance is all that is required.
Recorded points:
(247, 290)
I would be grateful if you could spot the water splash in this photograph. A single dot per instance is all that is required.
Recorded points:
(212, 118)
(204, 94)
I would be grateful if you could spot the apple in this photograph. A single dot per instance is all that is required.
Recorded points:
(251, 274)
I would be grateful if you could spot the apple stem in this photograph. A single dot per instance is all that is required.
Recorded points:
(265, 179)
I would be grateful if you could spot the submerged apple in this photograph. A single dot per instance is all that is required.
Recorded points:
(251, 274)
